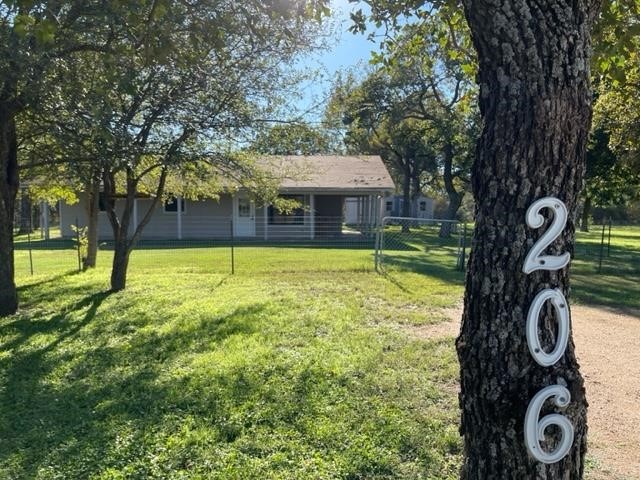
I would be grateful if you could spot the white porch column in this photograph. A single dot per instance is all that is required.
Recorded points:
(179, 217)
(266, 221)
(312, 216)
(135, 216)
(60, 215)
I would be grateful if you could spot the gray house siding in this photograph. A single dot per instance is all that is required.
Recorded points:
(209, 218)
(322, 217)
(201, 219)
(421, 207)
(76, 214)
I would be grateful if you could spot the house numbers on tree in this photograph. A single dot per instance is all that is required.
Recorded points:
(533, 428)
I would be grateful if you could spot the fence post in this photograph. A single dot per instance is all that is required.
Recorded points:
(609, 240)
(29, 243)
(604, 225)
(377, 248)
(381, 245)
(233, 262)
(463, 259)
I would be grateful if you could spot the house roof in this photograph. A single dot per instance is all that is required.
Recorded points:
(331, 173)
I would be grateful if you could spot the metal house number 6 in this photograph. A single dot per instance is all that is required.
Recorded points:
(533, 428)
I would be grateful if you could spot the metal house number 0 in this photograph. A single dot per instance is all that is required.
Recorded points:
(533, 428)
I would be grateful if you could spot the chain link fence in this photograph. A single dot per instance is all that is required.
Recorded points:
(428, 246)
(222, 245)
(421, 245)
(609, 249)
(417, 245)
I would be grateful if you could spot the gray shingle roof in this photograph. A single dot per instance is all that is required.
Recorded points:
(331, 172)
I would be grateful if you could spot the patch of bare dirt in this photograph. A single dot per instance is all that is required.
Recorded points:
(608, 350)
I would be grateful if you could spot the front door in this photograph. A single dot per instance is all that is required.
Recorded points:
(244, 216)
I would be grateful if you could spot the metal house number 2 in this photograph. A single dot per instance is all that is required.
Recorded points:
(533, 428)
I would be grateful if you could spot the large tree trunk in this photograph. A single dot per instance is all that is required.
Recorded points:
(8, 192)
(535, 102)
(455, 201)
(93, 210)
(455, 197)
(586, 214)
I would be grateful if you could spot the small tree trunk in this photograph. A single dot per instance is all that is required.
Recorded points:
(120, 225)
(8, 191)
(93, 210)
(535, 102)
(120, 265)
(455, 198)
(26, 210)
(406, 196)
(586, 214)
(415, 195)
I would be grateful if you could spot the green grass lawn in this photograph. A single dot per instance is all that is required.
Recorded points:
(302, 365)
(618, 283)
(193, 374)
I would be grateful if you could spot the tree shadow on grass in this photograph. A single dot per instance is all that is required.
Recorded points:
(621, 292)
(61, 298)
(395, 269)
(59, 324)
(66, 404)
(26, 287)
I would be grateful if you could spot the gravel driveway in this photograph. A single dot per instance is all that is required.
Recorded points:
(608, 350)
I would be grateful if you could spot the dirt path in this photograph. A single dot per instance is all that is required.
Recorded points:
(608, 349)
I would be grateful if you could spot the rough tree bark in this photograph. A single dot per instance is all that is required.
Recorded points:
(8, 191)
(535, 102)
(586, 214)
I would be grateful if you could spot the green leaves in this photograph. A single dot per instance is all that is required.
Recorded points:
(43, 30)
(23, 24)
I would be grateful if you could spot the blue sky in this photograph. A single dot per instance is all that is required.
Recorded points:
(348, 51)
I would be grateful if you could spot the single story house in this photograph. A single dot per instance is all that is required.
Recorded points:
(321, 189)
(421, 207)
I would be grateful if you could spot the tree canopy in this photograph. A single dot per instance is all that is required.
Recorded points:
(128, 89)
(294, 139)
